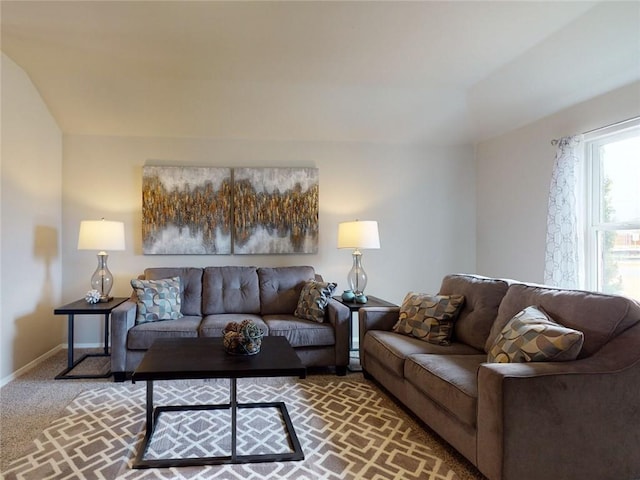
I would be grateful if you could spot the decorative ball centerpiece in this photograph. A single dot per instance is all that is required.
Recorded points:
(92, 296)
(244, 338)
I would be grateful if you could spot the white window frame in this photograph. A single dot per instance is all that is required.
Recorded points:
(594, 224)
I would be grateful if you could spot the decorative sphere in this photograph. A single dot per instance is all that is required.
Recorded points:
(92, 296)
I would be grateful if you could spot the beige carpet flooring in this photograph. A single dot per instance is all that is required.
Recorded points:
(29, 404)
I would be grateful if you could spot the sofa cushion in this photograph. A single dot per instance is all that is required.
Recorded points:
(531, 336)
(449, 380)
(280, 288)
(230, 290)
(142, 336)
(212, 325)
(391, 349)
(190, 284)
(482, 297)
(300, 332)
(599, 316)
(429, 317)
(313, 300)
(157, 300)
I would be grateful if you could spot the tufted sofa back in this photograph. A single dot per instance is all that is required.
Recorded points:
(482, 297)
(280, 288)
(230, 290)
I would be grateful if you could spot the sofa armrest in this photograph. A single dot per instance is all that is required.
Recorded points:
(339, 316)
(376, 318)
(569, 420)
(123, 318)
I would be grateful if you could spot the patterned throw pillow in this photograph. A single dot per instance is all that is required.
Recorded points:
(157, 299)
(313, 300)
(532, 336)
(429, 317)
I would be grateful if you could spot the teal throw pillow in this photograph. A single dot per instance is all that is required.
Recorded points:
(157, 299)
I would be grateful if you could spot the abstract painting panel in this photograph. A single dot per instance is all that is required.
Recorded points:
(275, 210)
(186, 210)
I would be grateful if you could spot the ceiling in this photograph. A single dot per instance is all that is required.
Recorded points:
(416, 72)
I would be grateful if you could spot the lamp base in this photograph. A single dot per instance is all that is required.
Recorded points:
(106, 298)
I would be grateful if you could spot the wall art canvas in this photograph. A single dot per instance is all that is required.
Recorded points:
(275, 210)
(186, 210)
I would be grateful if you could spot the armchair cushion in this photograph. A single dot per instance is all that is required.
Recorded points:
(157, 299)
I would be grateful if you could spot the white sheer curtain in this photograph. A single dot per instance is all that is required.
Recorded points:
(563, 252)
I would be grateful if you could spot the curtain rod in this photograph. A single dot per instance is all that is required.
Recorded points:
(615, 124)
(555, 141)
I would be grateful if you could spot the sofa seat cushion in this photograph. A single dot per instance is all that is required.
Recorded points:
(142, 336)
(391, 349)
(212, 325)
(449, 380)
(301, 332)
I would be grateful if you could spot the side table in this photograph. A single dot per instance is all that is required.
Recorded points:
(81, 307)
(354, 307)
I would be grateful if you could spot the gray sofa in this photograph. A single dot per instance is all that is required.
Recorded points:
(211, 297)
(568, 420)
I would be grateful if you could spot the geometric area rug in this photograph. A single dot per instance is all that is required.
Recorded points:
(346, 429)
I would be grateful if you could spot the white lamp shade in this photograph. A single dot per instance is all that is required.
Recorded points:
(101, 235)
(358, 234)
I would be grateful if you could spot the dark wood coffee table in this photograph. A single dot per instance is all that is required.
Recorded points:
(199, 358)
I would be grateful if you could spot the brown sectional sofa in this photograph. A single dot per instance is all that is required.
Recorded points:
(567, 420)
(211, 297)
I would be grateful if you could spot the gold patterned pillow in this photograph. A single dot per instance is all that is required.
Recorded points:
(532, 336)
(429, 317)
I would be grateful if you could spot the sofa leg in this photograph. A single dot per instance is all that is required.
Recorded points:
(119, 376)
(341, 370)
(366, 375)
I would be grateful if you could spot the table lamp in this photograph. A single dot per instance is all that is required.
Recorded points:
(101, 235)
(358, 235)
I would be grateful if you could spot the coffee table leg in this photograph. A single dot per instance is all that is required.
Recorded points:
(149, 406)
(234, 411)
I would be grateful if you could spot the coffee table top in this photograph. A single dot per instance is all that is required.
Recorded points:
(191, 358)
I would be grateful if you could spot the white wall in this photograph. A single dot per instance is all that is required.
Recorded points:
(423, 199)
(30, 260)
(513, 177)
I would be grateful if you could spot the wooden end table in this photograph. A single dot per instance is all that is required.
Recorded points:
(353, 308)
(81, 307)
(200, 358)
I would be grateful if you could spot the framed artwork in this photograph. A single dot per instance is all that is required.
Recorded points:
(275, 210)
(186, 210)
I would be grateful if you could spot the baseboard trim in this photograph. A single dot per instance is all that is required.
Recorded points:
(31, 365)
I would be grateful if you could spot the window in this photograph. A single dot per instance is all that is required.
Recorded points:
(612, 240)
